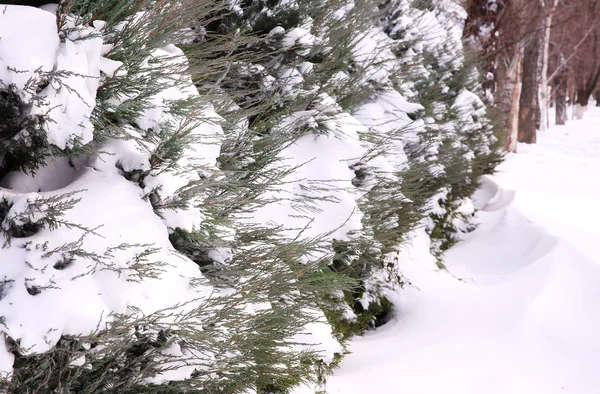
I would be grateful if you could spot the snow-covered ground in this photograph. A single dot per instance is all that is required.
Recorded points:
(518, 309)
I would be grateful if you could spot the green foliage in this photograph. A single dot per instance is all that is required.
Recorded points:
(379, 311)
(249, 153)
(233, 350)
(267, 285)
(459, 144)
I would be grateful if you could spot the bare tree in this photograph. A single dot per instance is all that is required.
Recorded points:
(510, 37)
(530, 80)
(583, 28)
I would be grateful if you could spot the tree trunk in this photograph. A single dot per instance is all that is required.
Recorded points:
(581, 103)
(508, 61)
(538, 111)
(543, 92)
(529, 91)
(514, 76)
(561, 98)
(572, 97)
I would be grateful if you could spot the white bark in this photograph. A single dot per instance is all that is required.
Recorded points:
(543, 89)
(514, 76)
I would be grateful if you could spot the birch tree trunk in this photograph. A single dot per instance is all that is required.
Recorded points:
(543, 89)
(514, 87)
(508, 67)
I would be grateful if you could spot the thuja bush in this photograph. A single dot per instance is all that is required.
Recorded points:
(208, 160)
(305, 50)
(242, 329)
(280, 70)
(458, 138)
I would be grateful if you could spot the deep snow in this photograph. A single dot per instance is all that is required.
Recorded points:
(517, 310)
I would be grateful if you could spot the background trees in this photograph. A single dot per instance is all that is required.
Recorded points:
(538, 54)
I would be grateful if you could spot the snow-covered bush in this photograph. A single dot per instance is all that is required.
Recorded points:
(119, 173)
(456, 139)
(295, 97)
(212, 196)
(331, 86)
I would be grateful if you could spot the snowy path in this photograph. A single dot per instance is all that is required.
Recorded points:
(525, 316)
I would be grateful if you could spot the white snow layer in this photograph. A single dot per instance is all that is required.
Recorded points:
(75, 65)
(387, 115)
(516, 312)
(73, 299)
(323, 176)
(40, 41)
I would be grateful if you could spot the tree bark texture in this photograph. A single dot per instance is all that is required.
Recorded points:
(581, 103)
(514, 89)
(544, 98)
(529, 91)
(561, 98)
